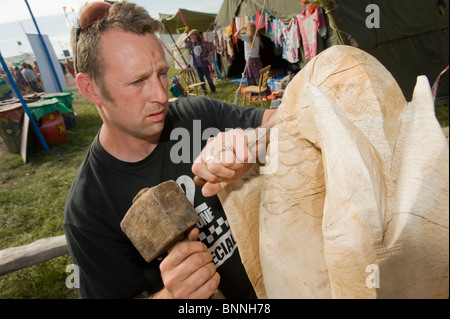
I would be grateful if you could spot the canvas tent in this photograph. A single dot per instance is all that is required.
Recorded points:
(175, 33)
(412, 38)
(174, 23)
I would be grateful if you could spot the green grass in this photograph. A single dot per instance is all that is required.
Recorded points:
(32, 198)
(225, 91)
(442, 114)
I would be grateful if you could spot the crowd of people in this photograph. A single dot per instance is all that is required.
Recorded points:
(28, 77)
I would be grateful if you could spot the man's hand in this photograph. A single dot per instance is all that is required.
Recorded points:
(225, 159)
(188, 271)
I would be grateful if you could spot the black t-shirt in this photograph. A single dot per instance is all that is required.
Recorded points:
(103, 190)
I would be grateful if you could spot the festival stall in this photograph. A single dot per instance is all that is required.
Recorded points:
(52, 112)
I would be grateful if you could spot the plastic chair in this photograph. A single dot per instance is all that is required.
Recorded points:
(190, 79)
(260, 88)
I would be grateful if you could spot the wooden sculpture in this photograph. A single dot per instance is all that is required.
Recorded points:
(358, 207)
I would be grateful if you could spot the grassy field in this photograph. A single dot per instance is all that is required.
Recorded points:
(32, 198)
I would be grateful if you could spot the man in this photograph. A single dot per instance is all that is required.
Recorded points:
(123, 71)
(20, 81)
(27, 73)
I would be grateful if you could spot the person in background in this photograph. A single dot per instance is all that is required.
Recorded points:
(23, 86)
(201, 51)
(70, 68)
(28, 75)
(37, 74)
(5, 89)
(63, 67)
(252, 43)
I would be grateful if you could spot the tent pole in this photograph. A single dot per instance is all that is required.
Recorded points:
(168, 51)
(173, 40)
(179, 51)
(184, 20)
(45, 48)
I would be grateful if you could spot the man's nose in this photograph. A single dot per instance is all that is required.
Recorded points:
(159, 91)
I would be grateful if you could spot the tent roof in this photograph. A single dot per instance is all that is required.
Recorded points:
(16, 60)
(195, 20)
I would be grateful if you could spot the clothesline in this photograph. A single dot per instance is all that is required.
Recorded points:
(302, 32)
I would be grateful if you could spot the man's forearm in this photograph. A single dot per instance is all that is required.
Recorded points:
(268, 119)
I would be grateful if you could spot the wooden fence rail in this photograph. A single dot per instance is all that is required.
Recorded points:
(15, 258)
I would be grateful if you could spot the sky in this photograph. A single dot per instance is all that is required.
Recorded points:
(55, 22)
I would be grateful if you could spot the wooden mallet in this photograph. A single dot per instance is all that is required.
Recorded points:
(159, 218)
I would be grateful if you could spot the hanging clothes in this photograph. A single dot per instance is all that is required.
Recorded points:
(223, 43)
(218, 40)
(274, 32)
(266, 20)
(234, 40)
(311, 25)
(260, 20)
(290, 41)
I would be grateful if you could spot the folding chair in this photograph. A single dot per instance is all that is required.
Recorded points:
(191, 82)
(260, 88)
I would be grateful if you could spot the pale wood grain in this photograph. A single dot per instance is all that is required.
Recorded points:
(362, 182)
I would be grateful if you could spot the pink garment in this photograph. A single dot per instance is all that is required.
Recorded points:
(310, 25)
(259, 20)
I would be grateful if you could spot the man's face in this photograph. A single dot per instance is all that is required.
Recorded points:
(136, 78)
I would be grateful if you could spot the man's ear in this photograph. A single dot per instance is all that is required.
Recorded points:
(89, 89)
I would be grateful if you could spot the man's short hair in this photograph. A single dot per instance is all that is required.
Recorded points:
(123, 16)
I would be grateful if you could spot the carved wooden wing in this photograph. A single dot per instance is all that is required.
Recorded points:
(357, 206)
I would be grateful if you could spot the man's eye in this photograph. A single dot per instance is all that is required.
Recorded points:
(137, 82)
